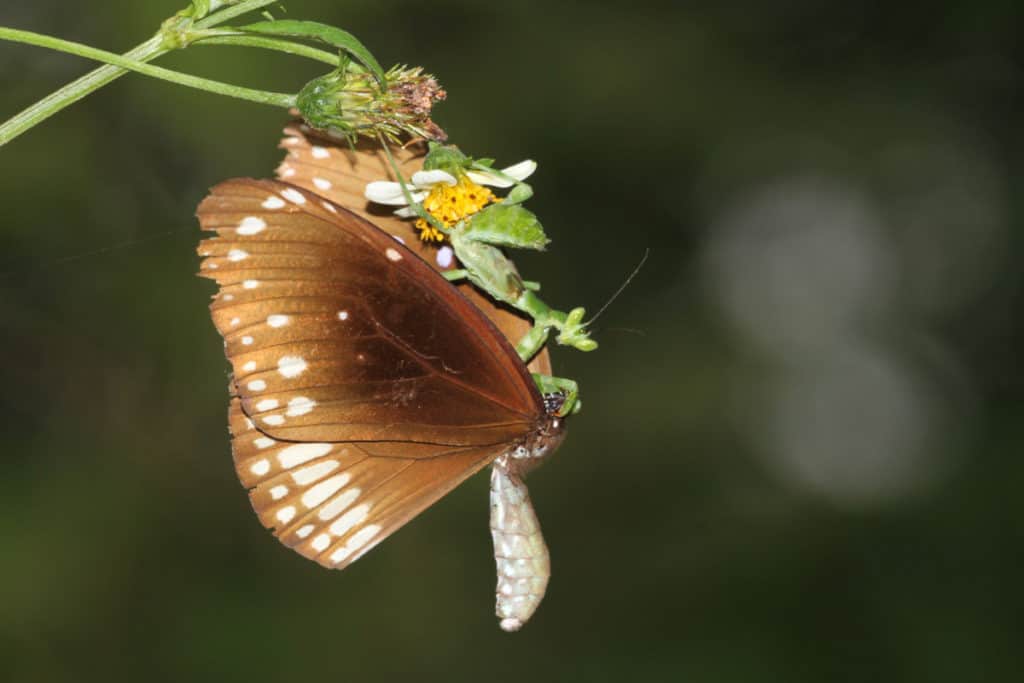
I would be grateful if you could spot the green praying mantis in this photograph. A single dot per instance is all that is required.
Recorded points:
(477, 241)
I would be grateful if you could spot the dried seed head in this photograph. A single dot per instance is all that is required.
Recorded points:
(352, 102)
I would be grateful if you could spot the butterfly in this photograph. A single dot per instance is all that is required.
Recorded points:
(365, 386)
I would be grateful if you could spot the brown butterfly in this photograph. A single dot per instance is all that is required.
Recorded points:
(366, 386)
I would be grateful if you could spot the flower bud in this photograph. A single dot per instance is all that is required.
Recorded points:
(350, 101)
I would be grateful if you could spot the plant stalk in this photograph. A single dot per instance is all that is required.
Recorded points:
(97, 78)
(76, 90)
(23, 121)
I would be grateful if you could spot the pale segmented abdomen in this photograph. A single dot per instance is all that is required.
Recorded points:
(520, 553)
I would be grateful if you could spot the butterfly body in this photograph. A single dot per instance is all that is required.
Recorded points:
(365, 386)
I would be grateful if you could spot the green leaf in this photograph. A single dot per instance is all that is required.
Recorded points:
(519, 194)
(507, 225)
(325, 34)
(445, 158)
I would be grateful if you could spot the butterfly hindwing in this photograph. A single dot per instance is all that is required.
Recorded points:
(332, 502)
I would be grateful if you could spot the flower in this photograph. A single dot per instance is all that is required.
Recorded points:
(448, 197)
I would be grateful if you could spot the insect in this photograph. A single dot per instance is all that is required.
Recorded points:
(366, 386)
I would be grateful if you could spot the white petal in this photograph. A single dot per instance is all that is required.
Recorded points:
(431, 178)
(384, 192)
(406, 212)
(520, 171)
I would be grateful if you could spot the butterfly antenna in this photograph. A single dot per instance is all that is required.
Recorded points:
(622, 287)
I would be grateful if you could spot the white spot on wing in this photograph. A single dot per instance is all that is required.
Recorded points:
(260, 467)
(358, 540)
(308, 475)
(247, 340)
(305, 531)
(285, 515)
(291, 366)
(322, 183)
(273, 202)
(339, 504)
(263, 442)
(257, 385)
(251, 284)
(277, 320)
(278, 492)
(392, 254)
(274, 420)
(251, 225)
(344, 524)
(329, 207)
(361, 537)
(293, 196)
(320, 152)
(237, 255)
(324, 490)
(267, 404)
(321, 542)
(300, 453)
(300, 405)
(235, 322)
(342, 315)
(250, 366)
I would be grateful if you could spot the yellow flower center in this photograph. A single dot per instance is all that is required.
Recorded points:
(450, 204)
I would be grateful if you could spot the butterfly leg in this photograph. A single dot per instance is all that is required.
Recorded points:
(520, 553)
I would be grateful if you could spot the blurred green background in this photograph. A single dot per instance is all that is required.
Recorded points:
(800, 454)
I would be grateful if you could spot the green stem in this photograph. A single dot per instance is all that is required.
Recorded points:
(406, 194)
(96, 79)
(239, 40)
(76, 90)
(260, 96)
(228, 13)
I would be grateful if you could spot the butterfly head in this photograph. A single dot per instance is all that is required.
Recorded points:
(549, 437)
(544, 440)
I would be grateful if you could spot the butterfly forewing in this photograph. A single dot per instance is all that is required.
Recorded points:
(339, 171)
(364, 386)
(347, 335)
